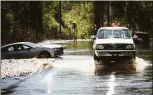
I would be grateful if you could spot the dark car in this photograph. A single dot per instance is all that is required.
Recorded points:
(141, 37)
(22, 50)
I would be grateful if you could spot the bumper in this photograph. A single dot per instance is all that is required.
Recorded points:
(59, 52)
(114, 53)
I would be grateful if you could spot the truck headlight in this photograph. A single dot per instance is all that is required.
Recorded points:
(129, 47)
(99, 47)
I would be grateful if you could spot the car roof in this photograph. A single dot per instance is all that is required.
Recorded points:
(15, 44)
(113, 28)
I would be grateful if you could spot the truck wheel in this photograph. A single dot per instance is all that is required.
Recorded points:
(95, 57)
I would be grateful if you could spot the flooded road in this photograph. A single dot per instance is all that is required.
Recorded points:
(75, 73)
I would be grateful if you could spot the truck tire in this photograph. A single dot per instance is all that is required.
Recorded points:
(95, 57)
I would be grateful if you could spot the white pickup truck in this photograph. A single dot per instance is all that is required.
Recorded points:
(113, 43)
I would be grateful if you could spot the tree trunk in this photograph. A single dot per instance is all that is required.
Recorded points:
(108, 15)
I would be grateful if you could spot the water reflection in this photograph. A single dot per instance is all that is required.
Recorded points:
(111, 83)
(79, 48)
(115, 69)
(48, 80)
(9, 87)
(139, 65)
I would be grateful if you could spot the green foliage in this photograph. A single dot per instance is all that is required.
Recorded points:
(10, 17)
(20, 21)
(49, 21)
(40, 20)
(81, 14)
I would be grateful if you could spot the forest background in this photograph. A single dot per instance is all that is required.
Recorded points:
(36, 21)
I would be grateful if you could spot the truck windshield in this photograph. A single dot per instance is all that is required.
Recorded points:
(116, 33)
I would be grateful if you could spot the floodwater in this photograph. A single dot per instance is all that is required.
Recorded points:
(75, 73)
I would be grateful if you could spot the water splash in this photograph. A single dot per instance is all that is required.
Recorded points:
(23, 66)
(85, 64)
(141, 64)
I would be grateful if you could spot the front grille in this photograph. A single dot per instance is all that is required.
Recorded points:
(114, 46)
(121, 53)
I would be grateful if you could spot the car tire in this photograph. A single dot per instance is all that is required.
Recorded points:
(44, 55)
(95, 57)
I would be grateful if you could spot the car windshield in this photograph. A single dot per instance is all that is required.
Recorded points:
(32, 44)
(116, 33)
